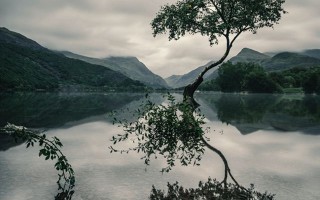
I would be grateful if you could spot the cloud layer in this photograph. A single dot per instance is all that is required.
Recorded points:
(122, 27)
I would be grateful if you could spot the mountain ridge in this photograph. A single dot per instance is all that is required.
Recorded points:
(249, 55)
(279, 61)
(26, 65)
(271, 61)
(178, 81)
(129, 66)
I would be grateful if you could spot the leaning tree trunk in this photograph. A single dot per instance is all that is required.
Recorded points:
(188, 97)
(189, 90)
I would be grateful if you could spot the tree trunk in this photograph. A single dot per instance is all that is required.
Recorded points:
(189, 92)
(191, 88)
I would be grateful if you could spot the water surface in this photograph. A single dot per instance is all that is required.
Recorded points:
(270, 140)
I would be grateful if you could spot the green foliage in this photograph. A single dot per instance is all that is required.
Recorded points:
(245, 77)
(292, 90)
(232, 77)
(306, 78)
(291, 78)
(214, 18)
(311, 83)
(49, 149)
(260, 82)
(210, 86)
(168, 130)
(212, 189)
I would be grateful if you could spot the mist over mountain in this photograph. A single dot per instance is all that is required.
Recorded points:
(128, 66)
(26, 65)
(178, 81)
(271, 61)
(287, 60)
(315, 53)
(279, 61)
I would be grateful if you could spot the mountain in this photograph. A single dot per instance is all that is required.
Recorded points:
(26, 65)
(315, 53)
(128, 66)
(172, 80)
(178, 81)
(245, 55)
(286, 60)
(249, 55)
(270, 61)
(9, 37)
(279, 61)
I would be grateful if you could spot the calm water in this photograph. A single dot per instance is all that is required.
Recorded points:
(272, 141)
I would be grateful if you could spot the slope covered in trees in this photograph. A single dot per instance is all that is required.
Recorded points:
(25, 65)
(251, 77)
(128, 66)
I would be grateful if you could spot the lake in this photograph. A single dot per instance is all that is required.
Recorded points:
(272, 141)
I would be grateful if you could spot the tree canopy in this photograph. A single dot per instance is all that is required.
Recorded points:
(175, 131)
(216, 18)
(245, 77)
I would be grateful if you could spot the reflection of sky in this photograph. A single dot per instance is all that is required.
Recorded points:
(287, 164)
(275, 161)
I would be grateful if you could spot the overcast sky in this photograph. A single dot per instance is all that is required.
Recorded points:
(101, 28)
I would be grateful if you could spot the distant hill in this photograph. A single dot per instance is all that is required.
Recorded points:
(245, 55)
(128, 66)
(315, 53)
(178, 81)
(271, 61)
(286, 60)
(279, 61)
(249, 55)
(9, 37)
(26, 65)
(172, 80)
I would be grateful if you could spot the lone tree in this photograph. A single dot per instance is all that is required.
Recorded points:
(173, 130)
(215, 19)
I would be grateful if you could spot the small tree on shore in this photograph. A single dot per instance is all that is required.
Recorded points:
(215, 19)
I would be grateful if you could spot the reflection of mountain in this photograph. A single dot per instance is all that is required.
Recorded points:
(53, 110)
(253, 112)
(48, 110)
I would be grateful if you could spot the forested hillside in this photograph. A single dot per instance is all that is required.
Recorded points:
(25, 65)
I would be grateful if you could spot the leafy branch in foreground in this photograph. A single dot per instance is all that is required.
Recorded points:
(212, 189)
(172, 130)
(50, 149)
(167, 130)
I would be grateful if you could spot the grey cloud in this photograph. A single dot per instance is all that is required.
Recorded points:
(122, 27)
